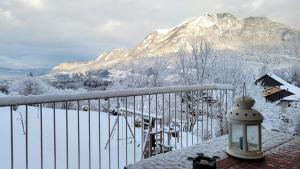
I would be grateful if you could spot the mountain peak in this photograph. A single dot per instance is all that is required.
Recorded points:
(210, 19)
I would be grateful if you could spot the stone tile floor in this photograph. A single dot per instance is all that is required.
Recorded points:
(282, 156)
(281, 152)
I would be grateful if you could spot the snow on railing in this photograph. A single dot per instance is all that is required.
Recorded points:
(37, 99)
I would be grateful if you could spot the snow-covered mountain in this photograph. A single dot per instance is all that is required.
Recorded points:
(251, 36)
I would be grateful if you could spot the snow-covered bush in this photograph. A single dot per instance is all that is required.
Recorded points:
(2, 94)
(29, 86)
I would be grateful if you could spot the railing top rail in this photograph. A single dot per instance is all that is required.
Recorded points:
(39, 99)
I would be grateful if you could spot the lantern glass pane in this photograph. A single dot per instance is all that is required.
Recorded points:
(252, 138)
(237, 136)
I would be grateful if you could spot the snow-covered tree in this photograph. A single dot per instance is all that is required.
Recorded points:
(195, 61)
(29, 86)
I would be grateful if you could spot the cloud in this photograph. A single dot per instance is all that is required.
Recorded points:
(110, 25)
(47, 32)
(33, 3)
(6, 62)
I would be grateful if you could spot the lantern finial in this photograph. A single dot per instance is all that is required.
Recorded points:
(244, 90)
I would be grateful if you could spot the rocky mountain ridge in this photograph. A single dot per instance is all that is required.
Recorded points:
(251, 36)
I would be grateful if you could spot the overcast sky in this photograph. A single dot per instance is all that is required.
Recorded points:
(43, 33)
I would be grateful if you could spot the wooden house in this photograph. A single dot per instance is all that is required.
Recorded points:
(277, 89)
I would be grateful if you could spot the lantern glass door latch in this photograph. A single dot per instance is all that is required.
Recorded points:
(244, 130)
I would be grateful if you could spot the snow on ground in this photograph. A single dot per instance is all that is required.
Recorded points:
(48, 142)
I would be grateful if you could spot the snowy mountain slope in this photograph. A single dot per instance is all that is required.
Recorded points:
(249, 36)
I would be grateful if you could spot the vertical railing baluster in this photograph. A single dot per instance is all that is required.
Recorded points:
(41, 133)
(220, 112)
(67, 136)
(169, 122)
(99, 128)
(181, 109)
(175, 126)
(54, 135)
(26, 136)
(207, 114)
(187, 120)
(156, 134)
(89, 116)
(118, 143)
(109, 146)
(211, 113)
(197, 115)
(11, 138)
(78, 134)
(226, 110)
(150, 125)
(143, 128)
(126, 133)
(192, 116)
(134, 143)
(202, 114)
(232, 100)
(163, 120)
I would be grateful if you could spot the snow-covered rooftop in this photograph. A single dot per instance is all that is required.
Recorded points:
(287, 86)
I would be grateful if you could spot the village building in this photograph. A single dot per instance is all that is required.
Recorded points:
(277, 89)
(3, 88)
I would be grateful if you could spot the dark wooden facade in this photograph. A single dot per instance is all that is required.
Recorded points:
(272, 91)
(278, 95)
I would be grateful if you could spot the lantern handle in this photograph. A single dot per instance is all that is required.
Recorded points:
(244, 90)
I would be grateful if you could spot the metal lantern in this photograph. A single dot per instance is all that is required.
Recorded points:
(245, 130)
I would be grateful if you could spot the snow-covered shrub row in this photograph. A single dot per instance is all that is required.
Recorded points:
(35, 86)
(29, 86)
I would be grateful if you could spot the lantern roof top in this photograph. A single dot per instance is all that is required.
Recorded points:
(243, 110)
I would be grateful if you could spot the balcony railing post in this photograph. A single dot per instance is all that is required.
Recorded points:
(41, 133)
(67, 136)
(11, 138)
(126, 133)
(54, 135)
(163, 118)
(26, 135)
(109, 146)
(78, 134)
(143, 128)
(134, 143)
(197, 115)
(118, 125)
(89, 125)
(181, 112)
(175, 114)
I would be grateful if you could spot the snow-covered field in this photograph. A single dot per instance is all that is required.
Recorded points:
(34, 146)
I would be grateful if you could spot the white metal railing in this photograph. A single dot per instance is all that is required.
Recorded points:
(89, 128)
(36, 99)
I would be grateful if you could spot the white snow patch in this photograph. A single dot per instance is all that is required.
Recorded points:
(163, 31)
